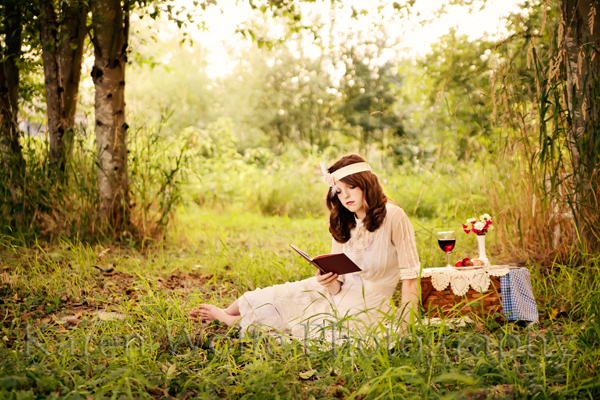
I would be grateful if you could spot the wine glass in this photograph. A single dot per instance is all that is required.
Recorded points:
(447, 240)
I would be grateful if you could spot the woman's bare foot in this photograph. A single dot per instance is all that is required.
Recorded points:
(208, 312)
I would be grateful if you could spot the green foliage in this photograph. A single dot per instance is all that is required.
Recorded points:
(370, 91)
(459, 75)
(179, 89)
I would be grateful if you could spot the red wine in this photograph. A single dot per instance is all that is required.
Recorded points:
(447, 244)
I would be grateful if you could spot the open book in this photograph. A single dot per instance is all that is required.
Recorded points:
(337, 263)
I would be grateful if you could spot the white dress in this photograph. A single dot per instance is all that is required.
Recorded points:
(385, 256)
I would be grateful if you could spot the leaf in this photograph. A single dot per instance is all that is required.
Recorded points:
(157, 391)
(58, 320)
(172, 369)
(454, 376)
(13, 382)
(73, 321)
(102, 253)
(307, 374)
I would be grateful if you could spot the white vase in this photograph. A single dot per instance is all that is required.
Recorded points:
(481, 244)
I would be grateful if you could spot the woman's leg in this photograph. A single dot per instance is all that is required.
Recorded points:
(208, 312)
(234, 308)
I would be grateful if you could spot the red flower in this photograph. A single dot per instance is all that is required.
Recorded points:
(465, 228)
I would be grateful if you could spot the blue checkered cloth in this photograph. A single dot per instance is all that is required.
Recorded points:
(518, 302)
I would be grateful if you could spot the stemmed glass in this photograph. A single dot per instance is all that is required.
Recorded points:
(447, 240)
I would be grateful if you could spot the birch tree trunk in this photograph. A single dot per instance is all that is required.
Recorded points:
(110, 26)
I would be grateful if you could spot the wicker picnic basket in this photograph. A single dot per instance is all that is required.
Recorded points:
(445, 304)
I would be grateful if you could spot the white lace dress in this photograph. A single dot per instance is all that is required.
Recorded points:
(385, 256)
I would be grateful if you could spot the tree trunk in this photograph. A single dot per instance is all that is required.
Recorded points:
(14, 31)
(581, 19)
(10, 148)
(62, 53)
(110, 24)
(54, 89)
(71, 50)
(582, 39)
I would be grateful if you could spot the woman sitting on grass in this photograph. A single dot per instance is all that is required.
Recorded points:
(372, 232)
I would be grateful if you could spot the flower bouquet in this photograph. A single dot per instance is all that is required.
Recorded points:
(480, 227)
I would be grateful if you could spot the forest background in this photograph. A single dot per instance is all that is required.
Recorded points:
(136, 194)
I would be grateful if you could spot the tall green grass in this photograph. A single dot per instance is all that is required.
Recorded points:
(147, 354)
(53, 206)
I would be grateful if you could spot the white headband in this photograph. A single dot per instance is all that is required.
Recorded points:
(331, 179)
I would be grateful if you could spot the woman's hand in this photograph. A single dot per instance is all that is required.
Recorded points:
(329, 280)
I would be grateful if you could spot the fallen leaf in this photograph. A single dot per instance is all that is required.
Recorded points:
(26, 315)
(58, 320)
(156, 391)
(102, 253)
(73, 320)
(107, 316)
(307, 374)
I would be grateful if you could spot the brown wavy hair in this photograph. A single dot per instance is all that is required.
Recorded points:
(341, 220)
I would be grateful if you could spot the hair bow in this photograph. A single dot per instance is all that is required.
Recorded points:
(327, 177)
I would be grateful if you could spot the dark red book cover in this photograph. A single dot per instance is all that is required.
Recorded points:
(336, 263)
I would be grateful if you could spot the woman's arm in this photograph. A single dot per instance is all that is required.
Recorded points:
(410, 300)
(403, 238)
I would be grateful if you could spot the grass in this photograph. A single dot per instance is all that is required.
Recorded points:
(71, 331)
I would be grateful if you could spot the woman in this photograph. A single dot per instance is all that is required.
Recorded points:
(372, 232)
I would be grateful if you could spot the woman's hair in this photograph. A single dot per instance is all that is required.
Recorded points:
(341, 220)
